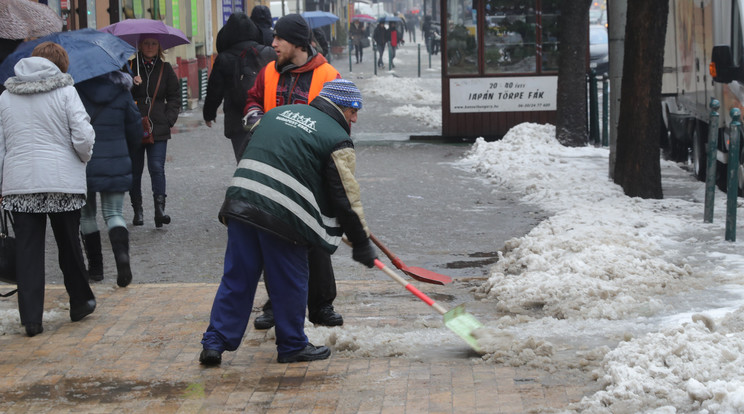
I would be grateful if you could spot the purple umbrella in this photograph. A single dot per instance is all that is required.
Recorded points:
(134, 30)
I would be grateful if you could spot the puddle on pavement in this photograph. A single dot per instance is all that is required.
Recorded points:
(485, 259)
(82, 390)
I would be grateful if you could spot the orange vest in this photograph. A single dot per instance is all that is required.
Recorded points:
(322, 74)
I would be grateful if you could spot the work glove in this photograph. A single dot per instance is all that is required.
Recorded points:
(364, 253)
(251, 118)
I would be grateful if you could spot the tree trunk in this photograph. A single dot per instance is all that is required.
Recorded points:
(637, 168)
(571, 123)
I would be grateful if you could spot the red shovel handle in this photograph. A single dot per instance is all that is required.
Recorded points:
(419, 294)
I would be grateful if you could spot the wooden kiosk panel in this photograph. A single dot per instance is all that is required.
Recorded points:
(499, 65)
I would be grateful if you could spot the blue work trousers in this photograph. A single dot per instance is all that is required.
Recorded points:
(250, 251)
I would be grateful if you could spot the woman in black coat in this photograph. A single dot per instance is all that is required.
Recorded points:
(163, 115)
(237, 37)
(116, 120)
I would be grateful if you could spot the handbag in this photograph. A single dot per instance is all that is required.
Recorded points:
(365, 42)
(7, 253)
(147, 137)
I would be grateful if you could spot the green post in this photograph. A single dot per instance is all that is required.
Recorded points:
(710, 173)
(593, 108)
(605, 112)
(732, 175)
(350, 46)
(374, 55)
(419, 58)
(429, 59)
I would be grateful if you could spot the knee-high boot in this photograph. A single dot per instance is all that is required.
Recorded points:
(92, 244)
(139, 218)
(119, 237)
(160, 216)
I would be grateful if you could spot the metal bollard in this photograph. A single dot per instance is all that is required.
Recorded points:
(374, 55)
(593, 108)
(419, 58)
(605, 111)
(710, 173)
(732, 175)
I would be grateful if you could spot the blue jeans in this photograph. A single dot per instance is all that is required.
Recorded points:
(250, 251)
(111, 209)
(155, 165)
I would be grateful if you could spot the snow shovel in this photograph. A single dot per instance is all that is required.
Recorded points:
(417, 273)
(457, 320)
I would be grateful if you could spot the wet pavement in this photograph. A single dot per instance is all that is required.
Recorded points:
(139, 351)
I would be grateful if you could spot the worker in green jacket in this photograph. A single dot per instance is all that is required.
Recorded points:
(294, 189)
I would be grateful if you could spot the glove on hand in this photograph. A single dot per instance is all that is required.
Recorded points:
(364, 253)
(250, 119)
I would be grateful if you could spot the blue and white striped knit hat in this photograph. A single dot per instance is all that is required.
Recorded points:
(342, 92)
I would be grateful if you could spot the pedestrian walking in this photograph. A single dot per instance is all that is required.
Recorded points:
(427, 32)
(296, 77)
(294, 188)
(261, 16)
(157, 93)
(380, 35)
(240, 57)
(45, 142)
(117, 123)
(359, 33)
(394, 39)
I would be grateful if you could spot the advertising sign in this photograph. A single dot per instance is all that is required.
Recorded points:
(497, 94)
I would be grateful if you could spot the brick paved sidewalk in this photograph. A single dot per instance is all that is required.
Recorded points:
(139, 353)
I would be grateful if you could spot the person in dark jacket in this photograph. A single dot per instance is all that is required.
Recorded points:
(261, 16)
(116, 120)
(380, 35)
(237, 37)
(164, 113)
(293, 189)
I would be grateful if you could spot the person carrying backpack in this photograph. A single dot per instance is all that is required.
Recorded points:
(241, 55)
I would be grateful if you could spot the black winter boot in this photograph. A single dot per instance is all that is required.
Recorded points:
(160, 216)
(92, 244)
(139, 218)
(120, 245)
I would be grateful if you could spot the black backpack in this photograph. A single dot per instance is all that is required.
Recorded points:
(249, 62)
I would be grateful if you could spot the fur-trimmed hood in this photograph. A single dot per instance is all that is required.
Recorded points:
(36, 74)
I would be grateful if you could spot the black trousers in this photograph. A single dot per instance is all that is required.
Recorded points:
(30, 232)
(322, 283)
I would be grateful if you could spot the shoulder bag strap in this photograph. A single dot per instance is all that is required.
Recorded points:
(157, 86)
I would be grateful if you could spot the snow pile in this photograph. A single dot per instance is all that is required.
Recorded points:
(599, 256)
(689, 368)
(605, 265)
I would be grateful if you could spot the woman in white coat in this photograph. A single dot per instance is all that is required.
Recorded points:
(45, 142)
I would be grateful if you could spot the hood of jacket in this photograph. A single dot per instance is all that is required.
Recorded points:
(238, 28)
(261, 15)
(36, 74)
(314, 60)
(105, 88)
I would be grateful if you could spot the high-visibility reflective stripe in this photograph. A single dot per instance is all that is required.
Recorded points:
(290, 182)
(290, 205)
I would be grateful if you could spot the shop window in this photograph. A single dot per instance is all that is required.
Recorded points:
(510, 37)
(462, 47)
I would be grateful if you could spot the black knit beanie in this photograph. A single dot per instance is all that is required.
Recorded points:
(294, 29)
